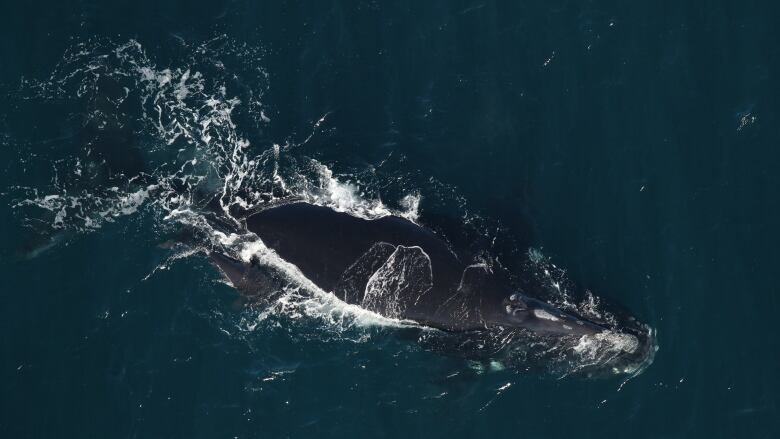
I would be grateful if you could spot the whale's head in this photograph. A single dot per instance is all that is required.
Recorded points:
(624, 346)
(542, 318)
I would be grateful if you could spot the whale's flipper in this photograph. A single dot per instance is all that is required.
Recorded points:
(351, 286)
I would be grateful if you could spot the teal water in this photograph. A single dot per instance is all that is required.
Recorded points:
(634, 144)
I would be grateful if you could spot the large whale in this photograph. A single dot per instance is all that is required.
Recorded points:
(398, 269)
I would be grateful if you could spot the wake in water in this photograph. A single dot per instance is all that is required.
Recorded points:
(185, 142)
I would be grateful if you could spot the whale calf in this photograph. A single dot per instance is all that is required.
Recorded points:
(401, 270)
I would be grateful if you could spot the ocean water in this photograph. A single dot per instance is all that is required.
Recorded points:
(632, 146)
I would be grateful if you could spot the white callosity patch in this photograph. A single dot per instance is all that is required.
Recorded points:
(542, 314)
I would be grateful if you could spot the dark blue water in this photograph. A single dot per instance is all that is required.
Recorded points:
(632, 143)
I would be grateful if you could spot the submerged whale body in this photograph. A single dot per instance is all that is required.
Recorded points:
(400, 270)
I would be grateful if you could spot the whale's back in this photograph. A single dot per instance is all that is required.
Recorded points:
(324, 243)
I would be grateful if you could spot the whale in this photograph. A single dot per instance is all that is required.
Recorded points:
(401, 270)
(396, 268)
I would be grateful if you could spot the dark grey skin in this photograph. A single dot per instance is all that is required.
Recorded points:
(396, 268)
